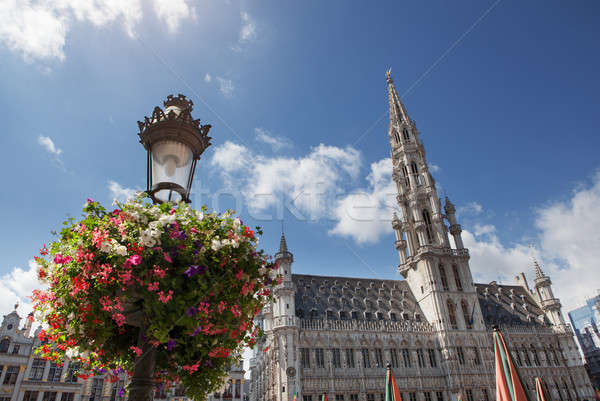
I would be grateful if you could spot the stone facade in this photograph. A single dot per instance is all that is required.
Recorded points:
(336, 334)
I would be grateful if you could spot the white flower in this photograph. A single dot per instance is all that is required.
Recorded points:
(262, 271)
(71, 353)
(199, 215)
(216, 244)
(121, 250)
(45, 326)
(71, 316)
(155, 225)
(167, 219)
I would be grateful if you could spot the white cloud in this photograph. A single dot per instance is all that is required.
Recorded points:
(434, 168)
(120, 193)
(569, 251)
(207, 77)
(276, 142)
(225, 86)
(366, 215)
(172, 12)
(38, 29)
(248, 30)
(16, 287)
(305, 184)
(48, 144)
(472, 208)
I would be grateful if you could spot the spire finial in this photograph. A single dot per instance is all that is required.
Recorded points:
(388, 76)
(16, 306)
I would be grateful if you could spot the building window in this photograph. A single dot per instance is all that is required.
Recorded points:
(406, 357)
(336, 360)
(393, 317)
(427, 395)
(314, 314)
(518, 355)
(420, 358)
(115, 393)
(96, 391)
(452, 313)
(30, 396)
(379, 357)
(343, 315)
(329, 315)
(396, 136)
(527, 358)
(350, 357)
(439, 395)
(476, 358)
(461, 355)
(394, 358)
(405, 134)
(4, 344)
(379, 316)
(370, 397)
(37, 369)
(16, 348)
(466, 315)
(536, 360)
(319, 358)
(365, 358)
(305, 357)
(457, 281)
(353, 397)
(486, 396)
(432, 358)
(10, 377)
(354, 315)
(339, 397)
(469, 394)
(238, 388)
(406, 179)
(54, 373)
(444, 278)
(428, 226)
(49, 396)
(307, 398)
(412, 396)
(72, 373)
(67, 397)
(368, 316)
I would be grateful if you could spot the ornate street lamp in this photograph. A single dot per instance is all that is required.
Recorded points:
(174, 142)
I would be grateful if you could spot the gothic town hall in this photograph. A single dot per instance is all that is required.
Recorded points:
(335, 335)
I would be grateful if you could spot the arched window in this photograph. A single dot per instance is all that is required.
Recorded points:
(466, 315)
(452, 314)
(457, 280)
(444, 278)
(415, 172)
(405, 174)
(428, 227)
(4, 345)
(396, 136)
(405, 134)
(343, 315)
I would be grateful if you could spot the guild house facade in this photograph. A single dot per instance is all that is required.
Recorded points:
(335, 335)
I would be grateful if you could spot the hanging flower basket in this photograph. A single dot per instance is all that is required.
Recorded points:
(193, 280)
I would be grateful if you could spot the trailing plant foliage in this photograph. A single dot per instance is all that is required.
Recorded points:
(193, 279)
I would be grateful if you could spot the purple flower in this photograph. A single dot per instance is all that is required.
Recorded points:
(181, 235)
(171, 344)
(198, 244)
(191, 311)
(193, 270)
(197, 331)
(208, 363)
(122, 392)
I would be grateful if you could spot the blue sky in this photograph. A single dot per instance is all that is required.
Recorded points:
(504, 94)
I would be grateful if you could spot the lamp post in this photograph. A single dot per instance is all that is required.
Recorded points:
(174, 142)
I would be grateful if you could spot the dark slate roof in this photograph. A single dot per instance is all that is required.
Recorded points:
(508, 305)
(390, 298)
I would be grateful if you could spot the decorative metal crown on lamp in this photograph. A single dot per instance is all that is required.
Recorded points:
(174, 142)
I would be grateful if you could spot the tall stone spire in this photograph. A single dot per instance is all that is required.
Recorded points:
(538, 270)
(398, 112)
(283, 249)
